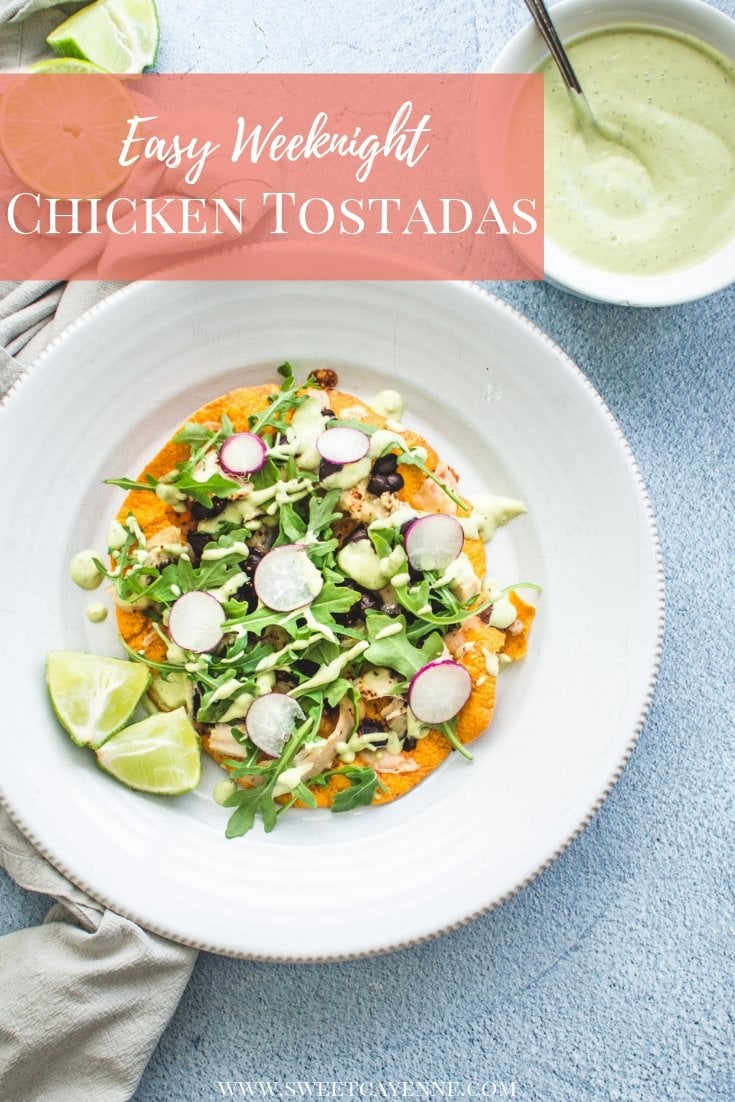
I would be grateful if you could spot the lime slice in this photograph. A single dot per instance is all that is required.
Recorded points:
(160, 755)
(65, 65)
(119, 35)
(62, 137)
(93, 696)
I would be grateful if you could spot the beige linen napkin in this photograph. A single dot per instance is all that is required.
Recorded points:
(24, 25)
(85, 996)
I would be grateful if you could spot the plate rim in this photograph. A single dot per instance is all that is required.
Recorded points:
(483, 295)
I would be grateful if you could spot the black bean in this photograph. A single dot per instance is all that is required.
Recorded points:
(325, 469)
(248, 596)
(409, 743)
(197, 542)
(359, 533)
(378, 485)
(328, 413)
(394, 482)
(369, 602)
(201, 512)
(385, 464)
(371, 727)
(305, 666)
(254, 557)
(354, 613)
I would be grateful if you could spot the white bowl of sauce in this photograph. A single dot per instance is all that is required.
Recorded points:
(647, 218)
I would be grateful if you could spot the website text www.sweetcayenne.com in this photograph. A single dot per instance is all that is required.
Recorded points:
(382, 1089)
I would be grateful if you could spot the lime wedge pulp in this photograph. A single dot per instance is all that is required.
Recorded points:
(93, 696)
(159, 755)
(65, 65)
(118, 35)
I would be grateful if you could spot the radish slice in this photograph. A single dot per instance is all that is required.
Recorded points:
(195, 621)
(243, 453)
(270, 722)
(343, 445)
(286, 578)
(439, 690)
(433, 542)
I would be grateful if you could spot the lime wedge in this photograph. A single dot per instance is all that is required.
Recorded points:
(65, 65)
(93, 696)
(160, 755)
(119, 35)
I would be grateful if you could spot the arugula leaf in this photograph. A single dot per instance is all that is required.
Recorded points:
(250, 802)
(383, 540)
(397, 651)
(448, 730)
(348, 423)
(203, 491)
(292, 527)
(259, 800)
(301, 792)
(181, 577)
(416, 602)
(409, 458)
(286, 398)
(130, 483)
(337, 690)
(323, 512)
(333, 599)
(364, 783)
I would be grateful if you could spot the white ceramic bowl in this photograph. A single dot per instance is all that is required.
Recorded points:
(526, 51)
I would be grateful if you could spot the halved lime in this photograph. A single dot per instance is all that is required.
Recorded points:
(65, 65)
(160, 755)
(119, 35)
(93, 696)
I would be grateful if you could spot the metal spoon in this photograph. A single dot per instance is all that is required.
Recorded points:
(549, 33)
(542, 19)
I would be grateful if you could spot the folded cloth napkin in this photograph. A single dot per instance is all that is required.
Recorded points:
(24, 25)
(84, 997)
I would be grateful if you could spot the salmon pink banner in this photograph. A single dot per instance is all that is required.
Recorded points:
(416, 176)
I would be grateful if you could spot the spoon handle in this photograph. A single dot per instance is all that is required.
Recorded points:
(542, 19)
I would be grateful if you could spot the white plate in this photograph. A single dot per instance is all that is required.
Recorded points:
(515, 416)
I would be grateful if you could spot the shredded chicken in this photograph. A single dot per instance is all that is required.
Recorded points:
(221, 741)
(384, 762)
(364, 507)
(321, 757)
(169, 534)
(394, 714)
(456, 640)
(320, 395)
(431, 498)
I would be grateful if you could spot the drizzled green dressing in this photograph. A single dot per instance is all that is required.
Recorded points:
(655, 192)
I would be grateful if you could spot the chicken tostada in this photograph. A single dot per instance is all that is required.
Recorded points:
(302, 572)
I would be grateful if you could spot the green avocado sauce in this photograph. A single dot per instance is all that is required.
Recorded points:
(653, 190)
